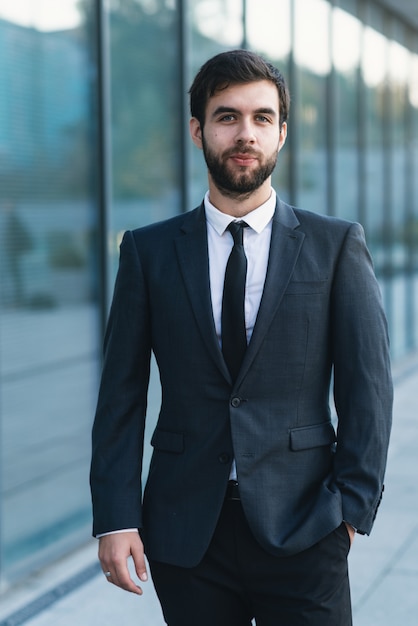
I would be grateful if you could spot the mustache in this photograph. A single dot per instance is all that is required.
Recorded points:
(241, 151)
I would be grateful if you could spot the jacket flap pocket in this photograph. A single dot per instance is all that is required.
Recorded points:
(312, 436)
(168, 441)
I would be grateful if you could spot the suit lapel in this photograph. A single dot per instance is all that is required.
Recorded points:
(285, 246)
(192, 253)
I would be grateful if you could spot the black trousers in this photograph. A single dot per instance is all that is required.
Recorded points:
(238, 581)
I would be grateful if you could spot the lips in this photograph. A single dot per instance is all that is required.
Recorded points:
(243, 159)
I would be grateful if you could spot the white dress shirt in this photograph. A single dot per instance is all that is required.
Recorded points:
(256, 245)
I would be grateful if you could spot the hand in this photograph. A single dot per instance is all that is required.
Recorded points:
(114, 551)
(351, 532)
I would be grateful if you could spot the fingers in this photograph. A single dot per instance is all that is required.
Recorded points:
(114, 551)
(351, 532)
(137, 553)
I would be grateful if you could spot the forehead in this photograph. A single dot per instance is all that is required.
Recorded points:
(257, 95)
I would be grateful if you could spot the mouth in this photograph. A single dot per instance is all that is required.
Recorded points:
(243, 159)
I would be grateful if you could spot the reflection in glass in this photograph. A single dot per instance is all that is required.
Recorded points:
(311, 44)
(346, 46)
(268, 28)
(312, 53)
(220, 20)
(384, 162)
(374, 72)
(397, 217)
(43, 15)
(374, 57)
(145, 115)
(48, 292)
(399, 67)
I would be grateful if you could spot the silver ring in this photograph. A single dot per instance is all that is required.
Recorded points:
(107, 574)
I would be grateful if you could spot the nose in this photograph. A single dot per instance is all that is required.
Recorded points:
(245, 132)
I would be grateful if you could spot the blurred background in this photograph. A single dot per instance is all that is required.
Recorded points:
(93, 141)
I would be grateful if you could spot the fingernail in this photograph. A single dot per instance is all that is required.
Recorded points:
(144, 577)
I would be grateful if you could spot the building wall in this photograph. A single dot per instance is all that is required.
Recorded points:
(93, 140)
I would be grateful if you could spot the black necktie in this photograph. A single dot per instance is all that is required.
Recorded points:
(234, 337)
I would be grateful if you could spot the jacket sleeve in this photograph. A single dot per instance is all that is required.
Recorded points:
(118, 430)
(362, 382)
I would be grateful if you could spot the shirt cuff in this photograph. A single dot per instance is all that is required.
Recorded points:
(117, 532)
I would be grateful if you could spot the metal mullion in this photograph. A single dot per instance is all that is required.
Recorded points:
(184, 173)
(104, 154)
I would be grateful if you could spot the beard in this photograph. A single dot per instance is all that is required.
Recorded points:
(240, 183)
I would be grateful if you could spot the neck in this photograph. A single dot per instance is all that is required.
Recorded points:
(239, 205)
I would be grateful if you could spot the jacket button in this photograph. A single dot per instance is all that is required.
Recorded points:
(224, 458)
(236, 402)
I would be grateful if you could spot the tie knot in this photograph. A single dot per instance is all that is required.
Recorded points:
(237, 231)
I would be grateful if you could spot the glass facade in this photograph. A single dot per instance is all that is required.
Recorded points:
(145, 104)
(49, 333)
(312, 56)
(94, 140)
(346, 48)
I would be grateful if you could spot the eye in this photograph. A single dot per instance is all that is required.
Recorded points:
(262, 118)
(229, 117)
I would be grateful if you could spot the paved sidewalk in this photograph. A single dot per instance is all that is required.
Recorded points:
(383, 567)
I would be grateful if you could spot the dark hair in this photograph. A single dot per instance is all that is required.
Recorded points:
(234, 67)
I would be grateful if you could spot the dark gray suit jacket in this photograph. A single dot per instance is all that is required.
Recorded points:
(320, 314)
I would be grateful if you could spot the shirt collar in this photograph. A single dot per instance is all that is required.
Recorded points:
(256, 219)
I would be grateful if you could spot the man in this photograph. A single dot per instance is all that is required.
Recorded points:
(252, 497)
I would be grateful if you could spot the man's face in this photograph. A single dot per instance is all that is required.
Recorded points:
(241, 137)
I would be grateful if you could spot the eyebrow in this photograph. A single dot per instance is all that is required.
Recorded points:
(263, 110)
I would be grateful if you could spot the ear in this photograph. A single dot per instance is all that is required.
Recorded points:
(196, 132)
(283, 135)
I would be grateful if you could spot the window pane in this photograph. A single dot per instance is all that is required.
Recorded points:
(346, 37)
(401, 219)
(374, 68)
(48, 283)
(378, 136)
(145, 114)
(312, 54)
(270, 37)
